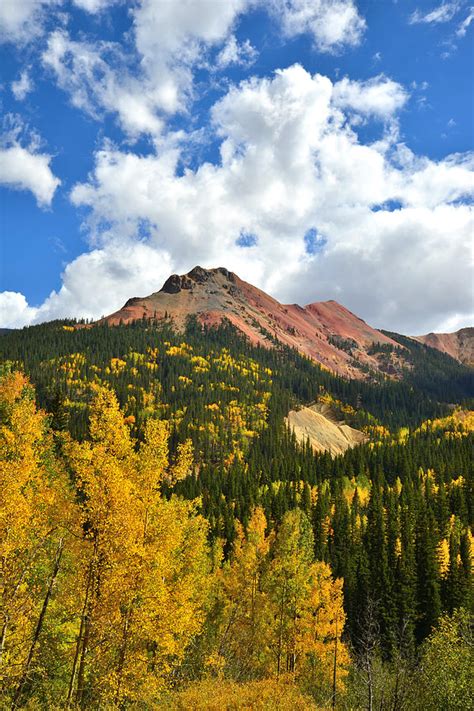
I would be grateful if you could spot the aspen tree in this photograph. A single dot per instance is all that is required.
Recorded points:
(35, 515)
(245, 623)
(144, 576)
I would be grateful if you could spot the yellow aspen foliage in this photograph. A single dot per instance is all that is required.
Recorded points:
(245, 623)
(35, 514)
(326, 656)
(217, 695)
(443, 557)
(144, 570)
(183, 464)
(307, 609)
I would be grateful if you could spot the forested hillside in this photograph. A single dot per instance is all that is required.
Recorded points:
(166, 539)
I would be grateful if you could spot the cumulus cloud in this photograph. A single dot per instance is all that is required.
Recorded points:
(172, 37)
(25, 168)
(94, 284)
(396, 267)
(393, 227)
(89, 73)
(152, 77)
(23, 20)
(168, 40)
(333, 24)
(379, 96)
(14, 310)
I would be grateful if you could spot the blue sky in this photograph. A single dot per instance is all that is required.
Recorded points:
(319, 148)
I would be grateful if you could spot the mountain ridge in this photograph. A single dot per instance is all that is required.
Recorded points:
(325, 331)
(459, 345)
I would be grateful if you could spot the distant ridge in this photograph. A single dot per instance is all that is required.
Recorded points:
(459, 345)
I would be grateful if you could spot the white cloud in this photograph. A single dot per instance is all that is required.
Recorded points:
(395, 225)
(243, 54)
(465, 24)
(121, 269)
(431, 184)
(94, 6)
(22, 86)
(443, 13)
(408, 270)
(22, 20)
(14, 310)
(26, 168)
(379, 96)
(85, 71)
(169, 39)
(333, 24)
(150, 76)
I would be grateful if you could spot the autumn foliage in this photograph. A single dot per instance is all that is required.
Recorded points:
(182, 550)
(111, 595)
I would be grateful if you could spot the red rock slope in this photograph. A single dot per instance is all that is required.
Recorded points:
(459, 345)
(325, 331)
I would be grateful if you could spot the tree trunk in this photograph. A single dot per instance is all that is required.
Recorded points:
(79, 638)
(370, 685)
(122, 653)
(3, 635)
(82, 663)
(280, 630)
(39, 625)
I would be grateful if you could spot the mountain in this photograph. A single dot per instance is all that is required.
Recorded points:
(341, 490)
(324, 331)
(459, 345)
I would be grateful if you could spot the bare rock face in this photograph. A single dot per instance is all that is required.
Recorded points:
(197, 276)
(172, 285)
(133, 301)
(324, 331)
(325, 434)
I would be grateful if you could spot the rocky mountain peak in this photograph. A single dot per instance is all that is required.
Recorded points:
(324, 331)
(198, 275)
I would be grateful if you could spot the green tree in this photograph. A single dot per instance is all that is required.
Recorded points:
(446, 677)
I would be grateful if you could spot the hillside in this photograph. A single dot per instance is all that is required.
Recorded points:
(458, 345)
(324, 331)
(182, 434)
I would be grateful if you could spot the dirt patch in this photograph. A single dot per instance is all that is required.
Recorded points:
(318, 424)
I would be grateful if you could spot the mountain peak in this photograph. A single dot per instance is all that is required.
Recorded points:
(458, 345)
(198, 275)
(324, 331)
